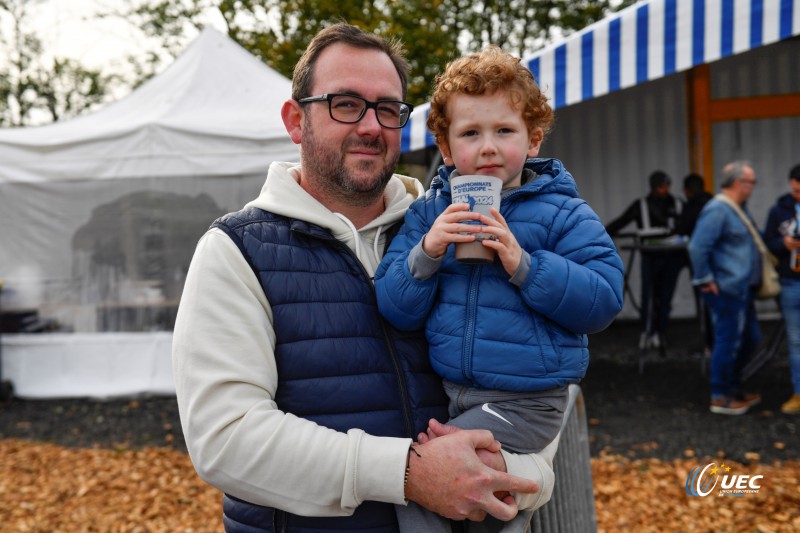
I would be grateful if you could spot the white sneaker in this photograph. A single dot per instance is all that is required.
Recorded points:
(643, 340)
(654, 341)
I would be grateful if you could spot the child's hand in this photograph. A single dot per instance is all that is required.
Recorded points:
(448, 227)
(505, 244)
(435, 429)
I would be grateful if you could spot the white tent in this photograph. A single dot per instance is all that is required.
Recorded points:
(99, 217)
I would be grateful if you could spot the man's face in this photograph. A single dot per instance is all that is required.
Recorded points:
(794, 188)
(746, 183)
(358, 159)
(662, 190)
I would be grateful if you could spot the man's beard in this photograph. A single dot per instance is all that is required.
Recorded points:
(331, 175)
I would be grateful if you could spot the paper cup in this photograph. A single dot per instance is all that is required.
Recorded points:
(481, 193)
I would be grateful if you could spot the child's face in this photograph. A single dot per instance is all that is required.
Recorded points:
(488, 136)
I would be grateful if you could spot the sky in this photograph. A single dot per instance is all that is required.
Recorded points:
(69, 28)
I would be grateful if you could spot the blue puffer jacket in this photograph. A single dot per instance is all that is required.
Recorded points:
(484, 331)
(338, 363)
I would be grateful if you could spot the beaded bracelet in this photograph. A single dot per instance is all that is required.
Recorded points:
(408, 465)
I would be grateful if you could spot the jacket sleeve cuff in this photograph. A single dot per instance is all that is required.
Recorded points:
(380, 469)
(537, 467)
(702, 281)
(421, 265)
(522, 271)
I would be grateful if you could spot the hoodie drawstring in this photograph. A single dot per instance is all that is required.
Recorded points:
(357, 237)
(355, 233)
(375, 243)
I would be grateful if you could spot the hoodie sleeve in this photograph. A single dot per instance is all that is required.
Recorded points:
(772, 235)
(404, 300)
(226, 378)
(578, 284)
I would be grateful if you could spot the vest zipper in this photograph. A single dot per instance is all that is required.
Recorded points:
(406, 404)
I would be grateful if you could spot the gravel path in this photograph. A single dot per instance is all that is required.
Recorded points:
(661, 413)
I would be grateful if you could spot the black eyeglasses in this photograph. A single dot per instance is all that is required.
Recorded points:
(349, 109)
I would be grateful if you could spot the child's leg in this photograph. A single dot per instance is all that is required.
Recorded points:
(522, 422)
(414, 518)
(520, 524)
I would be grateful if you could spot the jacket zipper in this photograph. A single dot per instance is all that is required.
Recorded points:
(406, 404)
(469, 331)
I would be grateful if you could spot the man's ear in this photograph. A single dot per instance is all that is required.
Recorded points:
(292, 115)
(537, 136)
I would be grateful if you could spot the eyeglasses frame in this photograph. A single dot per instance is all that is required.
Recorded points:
(328, 97)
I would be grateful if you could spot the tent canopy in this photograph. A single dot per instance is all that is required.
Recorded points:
(646, 41)
(214, 111)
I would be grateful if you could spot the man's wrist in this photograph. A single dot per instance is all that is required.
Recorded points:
(411, 453)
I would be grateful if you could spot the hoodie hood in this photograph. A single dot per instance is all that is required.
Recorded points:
(283, 195)
(551, 177)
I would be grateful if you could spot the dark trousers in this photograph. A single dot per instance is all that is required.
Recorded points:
(660, 273)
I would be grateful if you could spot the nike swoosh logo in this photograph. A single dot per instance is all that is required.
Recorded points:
(485, 407)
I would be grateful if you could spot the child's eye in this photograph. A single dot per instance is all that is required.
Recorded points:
(469, 133)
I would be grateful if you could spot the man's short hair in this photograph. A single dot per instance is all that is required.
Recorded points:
(693, 184)
(341, 32)
(486, 72)
(658, 178)
(732, 172)
(794, 174)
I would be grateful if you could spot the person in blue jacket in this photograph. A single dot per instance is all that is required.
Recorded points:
(507, 337)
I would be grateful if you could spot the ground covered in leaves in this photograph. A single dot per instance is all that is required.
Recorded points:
(121, 466)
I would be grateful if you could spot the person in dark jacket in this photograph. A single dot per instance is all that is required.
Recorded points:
(782, 237)
(507, 336)
(655, 215)
(696, 197)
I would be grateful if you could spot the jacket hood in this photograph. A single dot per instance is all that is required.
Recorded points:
(551, 177)
(283, 195)
(786, 201)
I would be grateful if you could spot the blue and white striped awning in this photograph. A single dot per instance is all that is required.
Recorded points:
(644, 42)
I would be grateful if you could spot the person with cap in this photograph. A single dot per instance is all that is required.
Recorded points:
(655, 215)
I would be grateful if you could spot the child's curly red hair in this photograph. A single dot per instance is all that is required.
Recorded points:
(486, 72)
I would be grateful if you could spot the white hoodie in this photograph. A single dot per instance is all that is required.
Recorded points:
(226, 378)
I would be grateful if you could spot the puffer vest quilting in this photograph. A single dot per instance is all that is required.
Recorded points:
(329, 338)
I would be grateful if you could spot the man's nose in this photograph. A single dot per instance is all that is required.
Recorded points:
(369, 125)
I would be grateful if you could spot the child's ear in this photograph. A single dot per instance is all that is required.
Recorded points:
(537, 136)
(444, 148)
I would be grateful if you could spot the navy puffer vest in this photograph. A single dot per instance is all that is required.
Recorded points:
(330, 338)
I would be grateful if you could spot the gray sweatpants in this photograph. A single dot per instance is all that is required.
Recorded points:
(524, 422)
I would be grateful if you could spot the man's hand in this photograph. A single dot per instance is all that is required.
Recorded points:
(449, 478)
(493, 460)
(710, 287)
(791, 243)
(448, 227)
